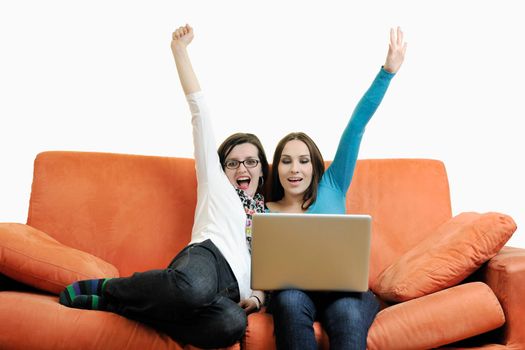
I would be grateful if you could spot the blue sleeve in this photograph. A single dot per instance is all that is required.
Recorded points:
(339, 174)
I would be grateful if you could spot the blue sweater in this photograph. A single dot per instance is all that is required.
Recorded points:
(331, 194)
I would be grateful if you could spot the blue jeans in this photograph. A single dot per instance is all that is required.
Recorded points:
(346, 318)
(194, 301)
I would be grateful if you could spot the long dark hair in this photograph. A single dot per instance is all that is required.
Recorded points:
(310, 195)
(238, 139)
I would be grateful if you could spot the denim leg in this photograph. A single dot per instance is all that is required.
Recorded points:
(218, 325)
(293, 315)
(346, 318)
(193, 280)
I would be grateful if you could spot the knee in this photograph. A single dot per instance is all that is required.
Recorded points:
(190, 293)
(354, 312)
(289, 298)
(193, 297)
(292, 302)
(368, 307)
(231, 326)
(235, 322)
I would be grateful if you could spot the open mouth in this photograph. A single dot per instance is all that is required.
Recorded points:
(243, 182)
(295, 180)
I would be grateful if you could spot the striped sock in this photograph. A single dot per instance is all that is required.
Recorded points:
(85, 287)
(89, 302)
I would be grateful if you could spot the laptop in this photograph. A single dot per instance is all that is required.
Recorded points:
(314, 252)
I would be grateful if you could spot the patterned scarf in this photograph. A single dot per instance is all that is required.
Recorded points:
(251, 206)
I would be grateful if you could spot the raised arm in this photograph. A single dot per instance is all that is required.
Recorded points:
(206, 157)
(205, 149)
(181, 38)
(339, 174)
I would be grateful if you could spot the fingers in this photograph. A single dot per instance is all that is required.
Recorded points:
(399, 36)
(178, 33)
(396, 38)
(182, 31)
(248, 305)
(396, 50)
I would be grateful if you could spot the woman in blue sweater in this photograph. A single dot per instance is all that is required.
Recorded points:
(300, 185)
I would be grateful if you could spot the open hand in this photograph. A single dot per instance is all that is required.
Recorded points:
(396, 51)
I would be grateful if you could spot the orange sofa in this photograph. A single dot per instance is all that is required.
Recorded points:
(444, 281)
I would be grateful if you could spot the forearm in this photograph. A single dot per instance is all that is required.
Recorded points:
(187, 76)
(205, 149)
(372, 98)
(342, 167)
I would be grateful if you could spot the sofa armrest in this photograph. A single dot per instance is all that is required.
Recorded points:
(33, 257)
(505, 274)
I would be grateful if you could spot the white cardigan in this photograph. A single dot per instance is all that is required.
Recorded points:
(219, 214)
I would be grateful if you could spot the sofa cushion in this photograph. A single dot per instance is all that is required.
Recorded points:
(33, 321)
(434, 320)
(135, 212)
(451, 253)
(260, 335)
(34, 258)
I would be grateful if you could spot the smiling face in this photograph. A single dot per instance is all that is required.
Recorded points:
(244, 177)
(295, 168)
(299, 169)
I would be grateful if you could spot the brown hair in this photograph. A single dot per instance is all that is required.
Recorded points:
(238, 139)
(310, 195)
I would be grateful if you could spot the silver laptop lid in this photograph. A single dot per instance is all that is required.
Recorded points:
(318, 252)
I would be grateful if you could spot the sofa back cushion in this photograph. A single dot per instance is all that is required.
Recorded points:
(135, 212)
(407, 199)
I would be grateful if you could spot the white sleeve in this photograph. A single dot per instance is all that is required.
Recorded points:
(207, 162)
(219, 214)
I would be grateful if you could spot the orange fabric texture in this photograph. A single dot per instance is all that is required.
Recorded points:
(450, 254)
(407, 199)
(423, 323)
(259, 334)
(135, 212)
(483, 347)
(32, 257)
(437, 319)
(42, 323)
(505, 274)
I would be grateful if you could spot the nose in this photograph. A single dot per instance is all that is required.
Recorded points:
(242, 168)
(295, 168)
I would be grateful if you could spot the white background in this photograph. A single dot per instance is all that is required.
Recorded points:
(99, 76)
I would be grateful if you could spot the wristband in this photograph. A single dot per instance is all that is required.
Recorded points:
(258, 301)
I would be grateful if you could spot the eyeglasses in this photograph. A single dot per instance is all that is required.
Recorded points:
(234, 164)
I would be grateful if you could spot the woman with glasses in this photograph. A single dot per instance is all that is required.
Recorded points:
(202, 298)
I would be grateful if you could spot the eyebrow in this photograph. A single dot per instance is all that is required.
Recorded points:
(256, 158)
(301, 155)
